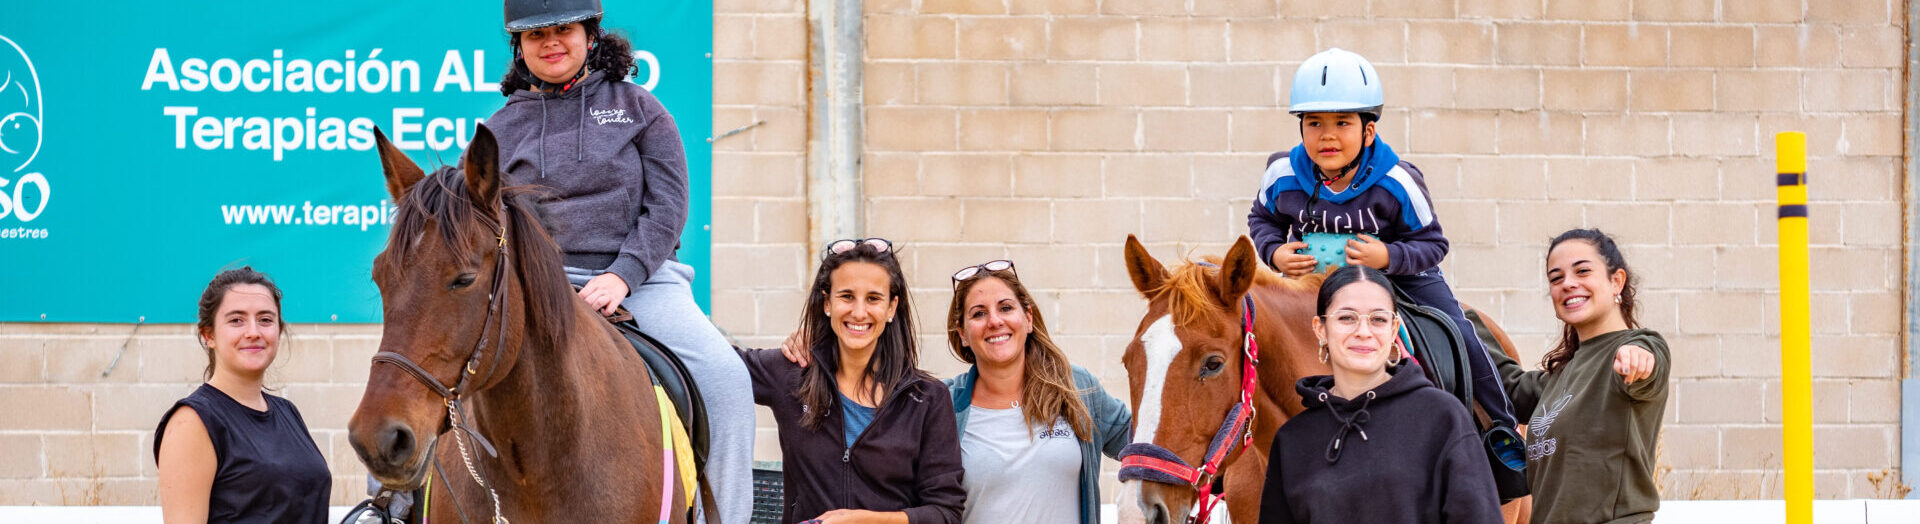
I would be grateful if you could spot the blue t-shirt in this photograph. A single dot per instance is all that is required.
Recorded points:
(858, 417)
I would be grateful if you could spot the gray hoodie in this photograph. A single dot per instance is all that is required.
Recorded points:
(610, 158)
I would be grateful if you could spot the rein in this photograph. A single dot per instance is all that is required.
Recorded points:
(457, 418)
(1151, 462)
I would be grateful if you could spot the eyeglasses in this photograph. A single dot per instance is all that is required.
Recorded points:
(848, 244)
(969, 272)
(1350, 321)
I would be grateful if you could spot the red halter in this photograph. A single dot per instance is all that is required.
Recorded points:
(1150, 462)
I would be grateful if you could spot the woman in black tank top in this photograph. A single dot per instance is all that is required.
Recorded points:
(230, 452)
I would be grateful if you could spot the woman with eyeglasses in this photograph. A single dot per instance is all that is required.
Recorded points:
(865, 435)
(1377, 442)
(1030, 423)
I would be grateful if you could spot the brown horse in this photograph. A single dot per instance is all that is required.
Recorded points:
(1184, 370)
(475, 296)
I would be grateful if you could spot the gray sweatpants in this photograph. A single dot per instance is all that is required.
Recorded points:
(665, 310)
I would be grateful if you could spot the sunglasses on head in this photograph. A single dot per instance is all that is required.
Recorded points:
(969, 272)
(848, 244)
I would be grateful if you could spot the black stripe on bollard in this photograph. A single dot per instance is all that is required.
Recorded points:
(1795, 210)
(1790, 179)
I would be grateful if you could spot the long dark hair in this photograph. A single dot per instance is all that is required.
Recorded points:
(216, 294)
(895, 359)
(611, 54)
(1570, 339)
(1049, 392)
(1345, 276)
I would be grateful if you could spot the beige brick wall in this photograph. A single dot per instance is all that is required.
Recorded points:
(76, 427)
(1047, 130)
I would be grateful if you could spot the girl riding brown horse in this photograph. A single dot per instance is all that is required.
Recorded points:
(551, 414)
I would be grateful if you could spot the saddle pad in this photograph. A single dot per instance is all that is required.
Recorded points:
(675, 433)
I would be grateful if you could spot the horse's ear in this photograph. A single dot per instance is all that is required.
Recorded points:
(1237, 271)
(401, 172)
(482, 166)
(1148, 274)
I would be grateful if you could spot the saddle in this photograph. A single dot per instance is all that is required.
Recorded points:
(671, 375)
(1441, 350)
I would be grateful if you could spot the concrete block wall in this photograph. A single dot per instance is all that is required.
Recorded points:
(1047, 130)
(79, 404)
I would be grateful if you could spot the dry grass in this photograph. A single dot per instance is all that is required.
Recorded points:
(90, 489)
(1662, 471)
(1887, 485)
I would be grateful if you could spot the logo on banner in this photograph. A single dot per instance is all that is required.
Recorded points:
(23, 193)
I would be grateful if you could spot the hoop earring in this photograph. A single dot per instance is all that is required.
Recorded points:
(1324, 353)
(1393, 359)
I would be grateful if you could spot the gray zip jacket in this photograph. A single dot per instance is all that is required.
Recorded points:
(609, 157)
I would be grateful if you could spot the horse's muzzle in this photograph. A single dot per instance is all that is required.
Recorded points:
(1158, 503)
(394, 455)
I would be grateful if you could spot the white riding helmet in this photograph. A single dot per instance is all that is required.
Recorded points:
(1336, 81)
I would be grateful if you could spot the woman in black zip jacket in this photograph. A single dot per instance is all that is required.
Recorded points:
(865, 435)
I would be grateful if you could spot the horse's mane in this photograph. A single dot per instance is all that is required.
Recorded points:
(1189, 289)
(442, 198)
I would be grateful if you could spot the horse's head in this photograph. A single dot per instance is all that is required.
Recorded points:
(451, 289)
(1184, 362)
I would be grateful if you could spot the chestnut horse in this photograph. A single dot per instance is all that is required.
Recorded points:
(1184, 371)
(485, 342)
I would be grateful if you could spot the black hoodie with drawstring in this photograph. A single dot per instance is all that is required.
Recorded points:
(1403, 452)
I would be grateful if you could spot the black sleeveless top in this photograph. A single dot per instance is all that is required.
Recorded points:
(269, 468)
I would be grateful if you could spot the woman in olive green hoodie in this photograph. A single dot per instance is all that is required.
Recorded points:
(1597, 402)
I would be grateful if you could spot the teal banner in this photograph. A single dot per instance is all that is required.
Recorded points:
(145, 146)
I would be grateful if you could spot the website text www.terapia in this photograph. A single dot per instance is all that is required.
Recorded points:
(308, 214)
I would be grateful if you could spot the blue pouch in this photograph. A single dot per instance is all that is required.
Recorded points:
(1330, 249)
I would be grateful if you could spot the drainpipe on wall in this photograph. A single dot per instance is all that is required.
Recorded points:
(835, 50)
(1909, 384)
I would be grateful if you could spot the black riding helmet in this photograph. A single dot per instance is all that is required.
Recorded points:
(528, 15)
(524, 15)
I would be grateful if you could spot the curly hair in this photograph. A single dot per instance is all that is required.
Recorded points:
(611, 53)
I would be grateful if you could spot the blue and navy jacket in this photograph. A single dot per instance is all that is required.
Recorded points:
(1387, 199)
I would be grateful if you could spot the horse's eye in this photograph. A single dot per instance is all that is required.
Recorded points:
(461, 281)
(1212, 366)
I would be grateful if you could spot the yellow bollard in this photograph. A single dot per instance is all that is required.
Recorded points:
(1796, 326)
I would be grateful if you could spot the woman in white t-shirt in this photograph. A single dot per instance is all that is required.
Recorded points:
(1031, 424)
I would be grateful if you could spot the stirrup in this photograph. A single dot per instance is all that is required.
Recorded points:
(368, 513)
(385, 507)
